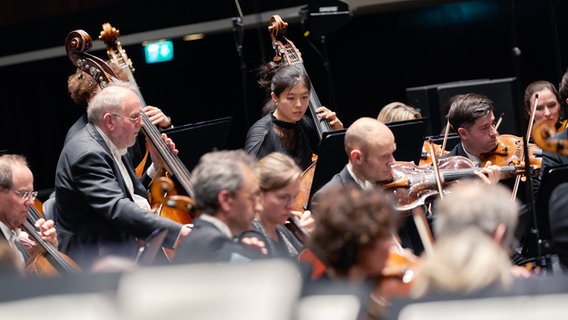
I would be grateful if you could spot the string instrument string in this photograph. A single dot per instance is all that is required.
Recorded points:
(174, 166)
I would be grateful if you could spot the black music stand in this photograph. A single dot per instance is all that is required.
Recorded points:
(408, 135)
(331, 159)
(195, 139)
(152, 245)
(537, 239)
(409, 138)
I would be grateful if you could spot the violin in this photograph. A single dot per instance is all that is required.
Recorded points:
(426, 157)
(413, 185)
(399, 274)
(509, 151)
(543, 131)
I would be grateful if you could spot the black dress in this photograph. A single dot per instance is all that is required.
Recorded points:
(299, 140)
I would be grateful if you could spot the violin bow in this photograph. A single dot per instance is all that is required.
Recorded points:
(500, 120)
(527, 137)
(418, 212)
(446, 134)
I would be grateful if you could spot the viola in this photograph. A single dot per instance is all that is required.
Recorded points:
(413, 185)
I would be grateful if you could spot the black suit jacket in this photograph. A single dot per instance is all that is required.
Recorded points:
(95, 214)
(206, 243)
(340, 179)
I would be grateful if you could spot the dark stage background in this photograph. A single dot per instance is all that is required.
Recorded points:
(363, 65)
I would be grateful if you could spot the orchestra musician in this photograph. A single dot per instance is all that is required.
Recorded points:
(354, 233)
(286, 127)
(397, 111)
(17, 195)
(82, 87)
(471, 116)
(227, 194)
(370, 145)
(474, 229)
(548, 107)
(557, 209)
(279, 180)
(101, 207)
(552, 159)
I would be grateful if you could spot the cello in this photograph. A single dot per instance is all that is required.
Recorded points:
(76, 43)
(287, 53)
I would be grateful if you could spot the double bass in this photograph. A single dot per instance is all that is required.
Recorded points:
(76, 43)
(47, 260)
(287, 53)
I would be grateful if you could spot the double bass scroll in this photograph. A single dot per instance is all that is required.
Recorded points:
(77, 43)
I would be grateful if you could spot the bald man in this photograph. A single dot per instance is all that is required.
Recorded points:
(369, 145)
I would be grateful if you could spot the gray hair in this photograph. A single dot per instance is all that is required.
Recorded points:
(474, 204)
(7, 164)
(217, 171)
(108, 100)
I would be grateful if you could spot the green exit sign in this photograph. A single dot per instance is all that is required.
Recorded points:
(159, 51)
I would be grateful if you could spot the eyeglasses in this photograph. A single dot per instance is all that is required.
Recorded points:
(133, 119)
(26, 195)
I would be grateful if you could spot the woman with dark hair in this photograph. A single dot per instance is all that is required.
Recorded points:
(286, 128)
